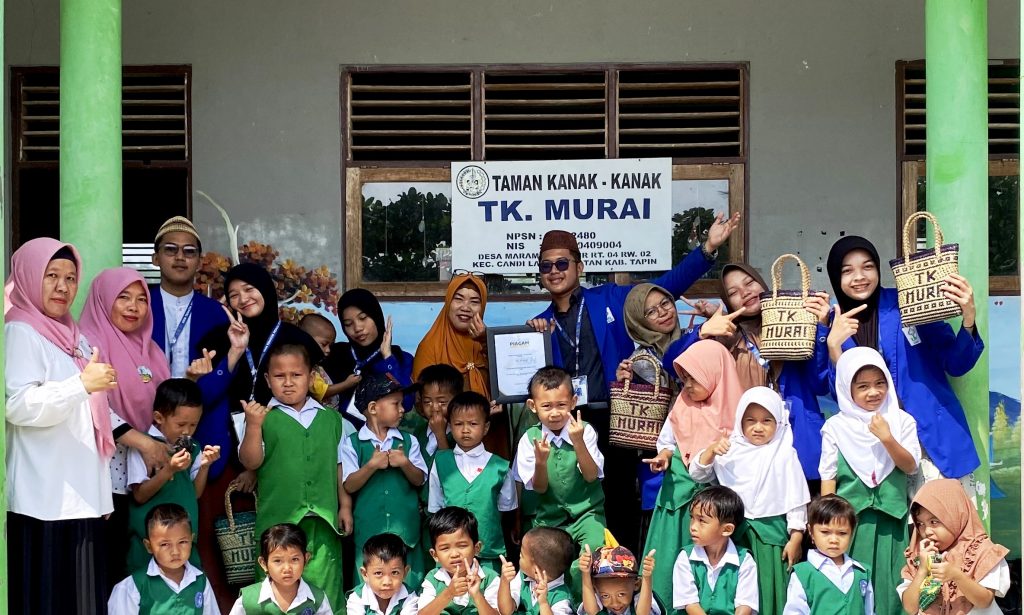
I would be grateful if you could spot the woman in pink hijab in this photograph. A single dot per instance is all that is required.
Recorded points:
(59, 439)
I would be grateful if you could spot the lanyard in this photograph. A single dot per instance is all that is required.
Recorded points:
(579, 323)
(359, 365)
(173, 340)
(253, 367)
(754, 351)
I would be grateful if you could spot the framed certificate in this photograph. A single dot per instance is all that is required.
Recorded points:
(515, 354)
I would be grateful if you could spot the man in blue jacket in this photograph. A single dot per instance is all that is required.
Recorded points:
(591, 342)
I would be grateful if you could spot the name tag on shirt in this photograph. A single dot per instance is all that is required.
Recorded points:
(912, 335)
(579, 388)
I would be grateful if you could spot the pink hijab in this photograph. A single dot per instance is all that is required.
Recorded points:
(24, 296)
(140, 363)
(697, 424)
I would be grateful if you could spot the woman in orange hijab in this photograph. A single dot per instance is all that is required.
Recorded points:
(458, 336)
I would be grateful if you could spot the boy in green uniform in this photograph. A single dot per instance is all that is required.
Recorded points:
(383, 590)
(611, 585)
(436, 386)
(830, 581)
(295, 448)
(712, 576)
(170, 584)
(177, 407)
(459, 585)
(383, 469)
(471, 477)
(546, 555)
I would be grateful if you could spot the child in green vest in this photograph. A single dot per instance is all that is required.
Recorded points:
(283, 557)
(867, 451)
(177, 407)
(383, 469)
(712, 576)
(830, 581)
(459, 585)
(758, 461)
(471, 477)
(435, 386)
(611, 585)
(169, 584)
(383, 590)
(294, 445)
(546, 554)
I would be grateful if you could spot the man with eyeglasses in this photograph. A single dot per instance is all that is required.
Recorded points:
(591, 342)
(181, 316)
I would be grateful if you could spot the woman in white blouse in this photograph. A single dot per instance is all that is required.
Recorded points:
(59, 439)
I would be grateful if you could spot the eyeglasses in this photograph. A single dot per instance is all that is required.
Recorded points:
(172, 249)
(467, 272)
(561, 264)
(665, 305)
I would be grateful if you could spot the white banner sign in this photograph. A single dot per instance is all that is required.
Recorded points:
(619, 210)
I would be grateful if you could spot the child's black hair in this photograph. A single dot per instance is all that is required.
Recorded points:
(166, 515)
(470, 400)
(296, 350)
(828, 508)
(282, 535)
(444, 376)
(312, 322)
(385, 547)
(450, 520)
(722, 502)
(550, 378)
(175, 392)
(551, 549)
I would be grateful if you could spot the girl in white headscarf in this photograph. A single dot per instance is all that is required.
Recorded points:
(867, 451)
(758, 461)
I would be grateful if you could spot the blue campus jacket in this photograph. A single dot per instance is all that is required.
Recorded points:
(605, 306)
(800, 383)
(920, 375)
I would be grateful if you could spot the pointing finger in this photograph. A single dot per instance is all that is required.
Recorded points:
(856, 310)
(734, 315)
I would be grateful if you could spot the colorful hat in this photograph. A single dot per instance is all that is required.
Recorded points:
(613, 562)
(177, 224)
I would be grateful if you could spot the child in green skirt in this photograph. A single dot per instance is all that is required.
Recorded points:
(758, 462)
(867, 451)
(706, 406)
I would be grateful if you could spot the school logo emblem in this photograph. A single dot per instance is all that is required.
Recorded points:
(199, 600)
(307, 611)
(145, 373)
(472, 182)
(864, 588)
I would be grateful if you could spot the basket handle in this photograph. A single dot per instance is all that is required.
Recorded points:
(805, 275)
(657, 372)
(229, 512)
(908, 231)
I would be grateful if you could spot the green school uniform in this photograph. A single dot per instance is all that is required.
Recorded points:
(765, 539)
(882, 534)
(669, 531)
(157, 598)
(722, 599)
(252, 605)
(179, 490)
(299, 484)
(370, 610)
(455, 609)
(824, 598)
(530, 606)
(479, 496)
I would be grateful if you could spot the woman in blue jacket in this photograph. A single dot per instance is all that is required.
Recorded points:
(798, 382)
(920, 358)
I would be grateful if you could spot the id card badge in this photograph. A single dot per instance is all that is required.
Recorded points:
(912, 335)
(579, 387)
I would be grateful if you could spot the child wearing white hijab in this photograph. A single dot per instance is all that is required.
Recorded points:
(758, 461)
(867, 451)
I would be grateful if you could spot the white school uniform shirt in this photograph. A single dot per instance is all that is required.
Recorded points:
(305, 418)
(998, 580)
(840, 576)
(124, 600)
(828, 467)
(267, 593)
(364, 599)
(432, 439)
(526, 462)
(350, 457)
(562, 607)
(655, 609)
(427, 593)
(470, 463)
(137, 471)
(666, 438)
(174, 311)
(796, 519)
(54, 471)
(684, 589)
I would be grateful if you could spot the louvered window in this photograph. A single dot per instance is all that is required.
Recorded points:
(156, 149)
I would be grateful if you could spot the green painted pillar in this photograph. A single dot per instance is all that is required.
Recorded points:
(90, 133)
(956, 54)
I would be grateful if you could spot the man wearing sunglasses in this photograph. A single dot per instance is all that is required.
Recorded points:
(181, 316)
(591, 342)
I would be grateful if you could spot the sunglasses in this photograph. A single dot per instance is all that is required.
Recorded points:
(172, 249)
(561, 264)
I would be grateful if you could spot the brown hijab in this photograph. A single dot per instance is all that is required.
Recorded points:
(973, 552)
(748, 329)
